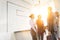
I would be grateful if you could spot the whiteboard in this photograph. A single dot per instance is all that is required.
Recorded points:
(17, 19)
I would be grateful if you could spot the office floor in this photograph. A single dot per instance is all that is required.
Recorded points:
(25, 35)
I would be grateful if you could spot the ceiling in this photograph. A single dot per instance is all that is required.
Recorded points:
(27, 4)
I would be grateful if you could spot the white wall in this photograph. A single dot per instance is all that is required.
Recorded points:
(3, 12)
(3, 16)
(57, 5)
(3, 19)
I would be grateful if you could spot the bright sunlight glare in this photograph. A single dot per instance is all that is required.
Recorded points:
(37, 10)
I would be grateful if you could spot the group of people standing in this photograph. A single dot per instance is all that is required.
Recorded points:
(38, 28)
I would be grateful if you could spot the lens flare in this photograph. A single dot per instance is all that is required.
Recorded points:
(42, 10)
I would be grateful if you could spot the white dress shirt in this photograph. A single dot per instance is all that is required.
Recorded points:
(32, 24)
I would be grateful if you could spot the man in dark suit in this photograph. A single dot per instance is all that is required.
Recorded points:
(40, 27)
(50, 22)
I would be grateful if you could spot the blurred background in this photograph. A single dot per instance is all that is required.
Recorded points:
(14, 16)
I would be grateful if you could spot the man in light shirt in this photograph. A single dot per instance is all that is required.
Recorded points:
(33, 27)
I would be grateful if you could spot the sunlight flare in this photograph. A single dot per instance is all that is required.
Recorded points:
(42, 10)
